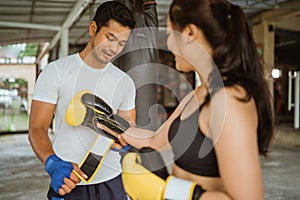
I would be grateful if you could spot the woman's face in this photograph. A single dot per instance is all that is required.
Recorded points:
(191, 49)
(177, 45)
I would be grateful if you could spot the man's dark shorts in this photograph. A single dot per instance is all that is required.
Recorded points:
(109, 190)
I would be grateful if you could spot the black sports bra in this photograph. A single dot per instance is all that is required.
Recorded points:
(193, 151)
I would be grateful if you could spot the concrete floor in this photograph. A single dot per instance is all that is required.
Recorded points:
(23, 176)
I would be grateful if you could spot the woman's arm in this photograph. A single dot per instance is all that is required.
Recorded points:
(139, 137)
(157, 140)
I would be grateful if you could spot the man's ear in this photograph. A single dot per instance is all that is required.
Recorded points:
(92, 28)
(190, 31)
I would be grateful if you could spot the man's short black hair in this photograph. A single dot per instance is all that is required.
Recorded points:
(113, 10)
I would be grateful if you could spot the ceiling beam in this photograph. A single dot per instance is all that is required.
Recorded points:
(72, 16)
(75, 12)
(29, 25)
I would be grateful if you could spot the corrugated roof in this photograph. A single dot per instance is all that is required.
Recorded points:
(23, 21)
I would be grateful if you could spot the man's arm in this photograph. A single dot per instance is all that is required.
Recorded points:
(41, 115)
(128, 115)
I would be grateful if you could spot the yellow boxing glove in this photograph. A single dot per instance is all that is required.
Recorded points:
(88, 109)
(139, 182)
(142, 184)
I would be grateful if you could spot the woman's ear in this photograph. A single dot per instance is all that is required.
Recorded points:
(190, 31)
(92, 28)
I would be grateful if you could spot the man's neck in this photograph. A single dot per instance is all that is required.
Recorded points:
(89, 59)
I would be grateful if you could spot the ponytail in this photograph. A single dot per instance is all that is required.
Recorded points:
(238, 61)
(234, 52)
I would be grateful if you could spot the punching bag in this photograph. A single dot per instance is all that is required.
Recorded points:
(139, 59)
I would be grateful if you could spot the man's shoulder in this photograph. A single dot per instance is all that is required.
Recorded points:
(63, 61)
(117, 71)
(68, 58)
(115, 68)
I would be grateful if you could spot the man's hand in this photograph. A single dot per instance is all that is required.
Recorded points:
(63, 180)
(70, 183)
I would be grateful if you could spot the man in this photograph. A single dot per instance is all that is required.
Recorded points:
(90, 70)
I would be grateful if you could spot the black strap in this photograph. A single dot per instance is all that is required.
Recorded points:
(198, 191)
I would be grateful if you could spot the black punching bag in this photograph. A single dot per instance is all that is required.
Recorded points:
(139, 59)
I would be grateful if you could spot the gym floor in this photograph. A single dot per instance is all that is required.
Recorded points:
(23, 176)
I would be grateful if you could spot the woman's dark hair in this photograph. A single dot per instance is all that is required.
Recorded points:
(113, 10)
(234, 53)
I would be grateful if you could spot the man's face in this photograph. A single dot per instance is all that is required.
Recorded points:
(109, 41)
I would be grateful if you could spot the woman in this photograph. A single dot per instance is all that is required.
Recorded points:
(218, 131)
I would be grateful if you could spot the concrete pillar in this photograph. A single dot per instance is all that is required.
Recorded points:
(64, 43)
(264, 36)
(297, 100)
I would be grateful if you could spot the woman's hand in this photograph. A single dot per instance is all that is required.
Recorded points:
(122, 143)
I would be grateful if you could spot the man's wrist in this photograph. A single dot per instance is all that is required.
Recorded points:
(148, 2)
(58, 169)
(50, 161)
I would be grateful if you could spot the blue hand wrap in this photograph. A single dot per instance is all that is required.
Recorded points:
(125, 148)
(58, 170)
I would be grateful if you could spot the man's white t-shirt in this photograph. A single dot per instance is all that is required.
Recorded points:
(59, 82)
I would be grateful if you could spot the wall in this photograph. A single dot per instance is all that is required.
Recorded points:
(25, 71)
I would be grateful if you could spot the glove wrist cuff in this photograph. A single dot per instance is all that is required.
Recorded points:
(188, 189)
